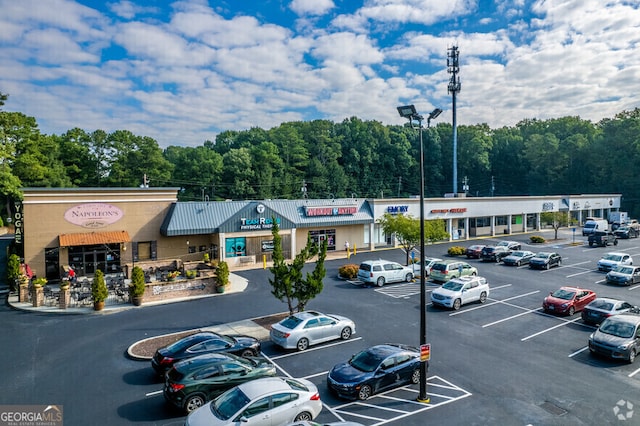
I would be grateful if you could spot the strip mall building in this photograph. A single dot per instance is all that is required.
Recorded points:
(113, 228)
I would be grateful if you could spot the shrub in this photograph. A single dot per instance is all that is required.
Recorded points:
(39, 282)
(191, 273)
(206, 258)
(137, 285)
(99, 291)
(456, 251)
(536, 239)
(222, 274)
(348, 271)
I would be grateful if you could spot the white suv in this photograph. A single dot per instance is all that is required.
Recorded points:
(610, 260)
(380, 272)
(459, 291)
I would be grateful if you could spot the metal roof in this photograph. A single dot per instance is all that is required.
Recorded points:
(208, 217)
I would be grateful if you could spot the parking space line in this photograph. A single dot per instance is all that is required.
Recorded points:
(495, 302)
(316, 348)
(633, 373)
(511, 317)
(633, 287)
(316, 375)
(580, 273)
(565, 322)
(578, 352)
(153, 393)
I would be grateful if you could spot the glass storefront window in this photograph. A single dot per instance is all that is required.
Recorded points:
(325, 234)
(86, 260)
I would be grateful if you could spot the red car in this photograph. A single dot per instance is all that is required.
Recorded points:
(568, 300)
(474, 251)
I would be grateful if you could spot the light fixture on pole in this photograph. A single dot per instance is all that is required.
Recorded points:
(409, 112)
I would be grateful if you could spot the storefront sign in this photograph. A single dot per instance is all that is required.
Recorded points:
(397, 209)
(267, 245)
(458, 210)
(18, 222)
(257, 224)
(187, 285)
(548, 206)
(93, 215)
(331, 211)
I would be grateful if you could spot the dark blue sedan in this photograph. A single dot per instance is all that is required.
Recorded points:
(374, 370)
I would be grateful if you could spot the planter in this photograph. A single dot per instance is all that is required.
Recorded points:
(220, 288)
(37, 296)
(23, 293)
(65, 297)
(136, 300)
(98, 306)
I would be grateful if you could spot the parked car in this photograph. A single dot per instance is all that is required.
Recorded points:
(306, 328)
(460, 291)
(568, 300)
(604, 307)
(518, 257)
(617, 337)
(192, 382)
(613, 259)
(374, 370)
(474, 251)
(261, 402)
(201, 343)
(626, 232)
(511, 245)
(494, 253)
(380, 272)
(545, 260)
(624, 275)
(445, 270)
(602, 239)
(428, 264)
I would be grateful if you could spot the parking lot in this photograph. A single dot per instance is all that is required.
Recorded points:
(511, 329)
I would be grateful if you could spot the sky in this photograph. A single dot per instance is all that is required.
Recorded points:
(181, 72)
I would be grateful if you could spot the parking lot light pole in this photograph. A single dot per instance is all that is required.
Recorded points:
(409, 112)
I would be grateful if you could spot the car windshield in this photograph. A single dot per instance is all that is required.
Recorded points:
(188, 342)
(624, 269)
(617, 328)
(229, 403)
(564, 294)
(365, 267)
(542, 255)
(615, 257)
(440, 267)
(601, 304)
(517, 254)
(290, 322)
(365, 361)
(453, 285)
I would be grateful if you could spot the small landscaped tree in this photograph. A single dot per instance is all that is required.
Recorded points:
(137, 286)
(13, 271)
(556, 220)
(99, 291)
(407, 230)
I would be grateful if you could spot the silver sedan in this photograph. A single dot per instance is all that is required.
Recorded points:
(303, 329)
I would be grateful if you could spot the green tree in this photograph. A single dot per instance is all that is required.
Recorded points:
(407, 230)
(198, 170)
(13, 271)
(556, 220)
(99, 291)
(239, 170)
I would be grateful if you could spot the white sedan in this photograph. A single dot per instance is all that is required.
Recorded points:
(302, 329)
(428, 263)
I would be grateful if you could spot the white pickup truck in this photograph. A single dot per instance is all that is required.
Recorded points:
(458, 291)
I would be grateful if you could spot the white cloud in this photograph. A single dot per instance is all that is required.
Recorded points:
(311, 7)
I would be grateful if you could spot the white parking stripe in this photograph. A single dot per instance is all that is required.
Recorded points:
(551, 328)
(153, 393)
(511, 317)
(316, 348)
(577, 352)
(495, 302)
(579, 273)
(633, 373)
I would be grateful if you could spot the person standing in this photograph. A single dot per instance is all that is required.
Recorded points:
(346, 246)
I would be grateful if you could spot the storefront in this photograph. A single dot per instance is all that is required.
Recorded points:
(112, 229)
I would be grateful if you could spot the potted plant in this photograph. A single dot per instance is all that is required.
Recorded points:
(39, 282)
(222, 276)
(137, 286)
(13, 272)
(191, 274)
(171, 276)
(205, 258)
(37, 298)
(99, 291)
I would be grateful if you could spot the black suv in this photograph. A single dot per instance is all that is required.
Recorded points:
(494, 253)
(602, 239)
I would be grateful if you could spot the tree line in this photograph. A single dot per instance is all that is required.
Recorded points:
(325, 159)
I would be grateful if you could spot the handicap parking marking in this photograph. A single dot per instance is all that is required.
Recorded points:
(439, 391)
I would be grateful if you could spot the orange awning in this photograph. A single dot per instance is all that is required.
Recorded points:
(93, 238)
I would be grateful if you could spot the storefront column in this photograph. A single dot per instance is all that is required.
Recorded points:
(450, 229)
(509, 224)
(293, 243)
(538, 222)
(466, 228)
(524, 222)
(372, 230)
(221, 248)
(493, 226)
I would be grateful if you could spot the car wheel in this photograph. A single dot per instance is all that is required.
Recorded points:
(456, 304)
(473, 274)
(380, 282)
(517, 263)
(303, 344)
(632, 356)
(247, 352)
(346, 333)
(409, 278)
(415, 376)
(193, 402)
(590, 243)
(546, 266)
(615, 242)
(364, 392)
(483, 297)
(572, 311)
(305, 416)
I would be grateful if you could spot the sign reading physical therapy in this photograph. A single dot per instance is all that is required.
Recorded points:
(330, 211)
(93, 215)
(257, 224)
(459, 210)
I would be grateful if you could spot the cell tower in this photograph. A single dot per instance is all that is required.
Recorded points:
(453, 68)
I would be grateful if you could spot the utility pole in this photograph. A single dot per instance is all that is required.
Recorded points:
(145, 181)
(454, 87)
(493, 185)
(399, 184)
(465, 185)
